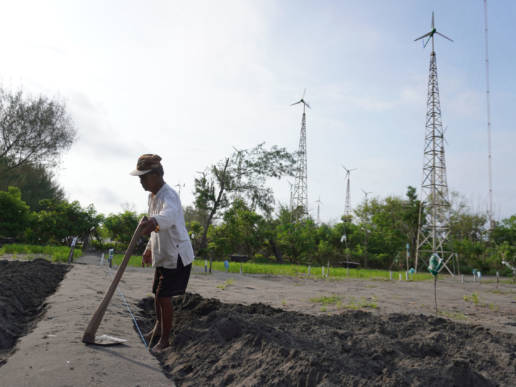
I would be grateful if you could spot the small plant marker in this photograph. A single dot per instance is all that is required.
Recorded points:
(435, 265)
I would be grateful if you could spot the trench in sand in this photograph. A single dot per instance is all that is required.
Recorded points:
(215, 343)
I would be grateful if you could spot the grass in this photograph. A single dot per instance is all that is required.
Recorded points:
(473, 298)
(289, 270)
(225, 284)
(53, 253)
(302, 270)
(500, 291)
(361, 304)
(352, 304)
(135, 260)
(453, 315)
(325, 300)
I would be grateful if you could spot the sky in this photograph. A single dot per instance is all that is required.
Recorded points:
(190, 80)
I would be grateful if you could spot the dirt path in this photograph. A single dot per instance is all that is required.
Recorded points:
(53, 354)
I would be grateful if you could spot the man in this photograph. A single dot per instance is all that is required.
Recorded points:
(169, 248)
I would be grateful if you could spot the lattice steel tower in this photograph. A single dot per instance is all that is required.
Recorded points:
(347, 206)
(433, 226)
(300, 195)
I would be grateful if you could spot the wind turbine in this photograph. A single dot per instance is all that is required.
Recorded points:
(300, 196)
(302, 100)
(365, 194)
(318, 201)
(433, 223)
(431, 34)
(347, 209)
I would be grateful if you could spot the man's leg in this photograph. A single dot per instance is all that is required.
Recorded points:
(156, 330)
(165, 306)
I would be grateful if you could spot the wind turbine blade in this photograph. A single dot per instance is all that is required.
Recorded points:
(444, 36)
(307, 105)
(427, 42)
(433, 20)
(304, 91)
(295, 103)
(421, 37)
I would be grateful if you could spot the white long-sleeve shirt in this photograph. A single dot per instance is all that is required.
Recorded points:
(172, 238)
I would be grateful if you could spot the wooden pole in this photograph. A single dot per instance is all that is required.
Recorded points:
(91, 329)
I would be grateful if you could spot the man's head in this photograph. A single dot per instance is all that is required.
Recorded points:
(150, 171)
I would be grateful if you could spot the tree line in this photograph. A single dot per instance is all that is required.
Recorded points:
(234, 211)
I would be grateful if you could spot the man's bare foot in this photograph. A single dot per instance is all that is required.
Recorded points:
(159, 348)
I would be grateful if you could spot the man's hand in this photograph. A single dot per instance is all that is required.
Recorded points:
(148, 225)
(147, 258)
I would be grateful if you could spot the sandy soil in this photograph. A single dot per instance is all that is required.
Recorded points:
(52, 353)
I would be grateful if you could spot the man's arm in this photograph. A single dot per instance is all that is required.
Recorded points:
(149, 225)
(147, 257)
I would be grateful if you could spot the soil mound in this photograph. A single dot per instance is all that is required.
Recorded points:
(232, 344)
(23, 289)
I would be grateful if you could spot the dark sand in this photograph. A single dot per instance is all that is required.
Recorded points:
(24, 286)
(249, 330)
(231, 344)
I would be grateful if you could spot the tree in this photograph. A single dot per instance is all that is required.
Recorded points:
(14, 213)
(34, 181)
(32, 130)
(243, 229)
(59, 221)
(121, 227)
(242, 175)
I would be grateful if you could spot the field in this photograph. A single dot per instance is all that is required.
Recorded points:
(264, 329)
(291, 270)
(54, 253)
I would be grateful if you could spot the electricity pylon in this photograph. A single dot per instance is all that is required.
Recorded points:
(300, 195)
(433, 225)
(347, 208)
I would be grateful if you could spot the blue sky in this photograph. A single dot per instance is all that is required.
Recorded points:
(190, 80)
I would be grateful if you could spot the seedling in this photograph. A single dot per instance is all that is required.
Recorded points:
(225, 284)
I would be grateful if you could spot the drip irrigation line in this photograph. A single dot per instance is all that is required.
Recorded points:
(124, 300)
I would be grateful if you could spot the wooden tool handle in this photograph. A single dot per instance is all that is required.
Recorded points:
(91, 329)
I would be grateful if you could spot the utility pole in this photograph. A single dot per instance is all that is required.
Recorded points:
(300, 196)
(433, 225)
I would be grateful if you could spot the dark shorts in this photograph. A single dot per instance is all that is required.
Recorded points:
(171, 282)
